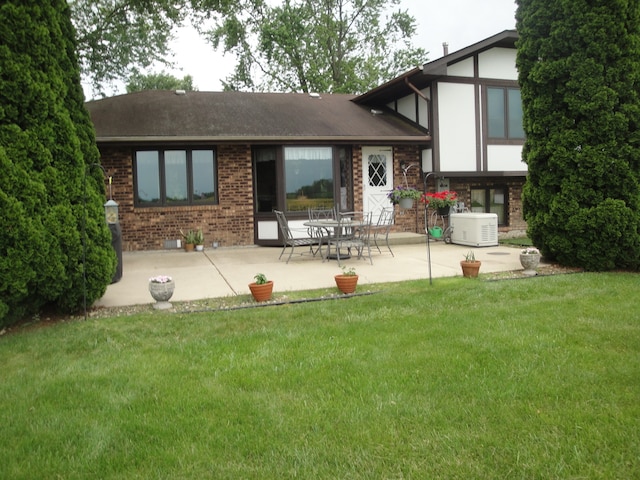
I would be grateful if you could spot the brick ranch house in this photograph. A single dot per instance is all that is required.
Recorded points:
(223, 161)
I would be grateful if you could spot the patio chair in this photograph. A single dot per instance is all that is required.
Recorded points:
(353, 233)
(290, 239)
(381, 229)
(323, 234)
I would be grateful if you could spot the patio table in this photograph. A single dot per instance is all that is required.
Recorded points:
(332, 224)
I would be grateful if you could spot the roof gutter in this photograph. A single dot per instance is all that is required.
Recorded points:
(249, 140)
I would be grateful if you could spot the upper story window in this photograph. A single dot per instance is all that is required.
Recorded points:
(175, 177)
(504, 114)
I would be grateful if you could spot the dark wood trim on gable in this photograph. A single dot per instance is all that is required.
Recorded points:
(478, 114)
(435, 128)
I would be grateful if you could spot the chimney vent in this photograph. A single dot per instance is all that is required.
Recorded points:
(445, 48)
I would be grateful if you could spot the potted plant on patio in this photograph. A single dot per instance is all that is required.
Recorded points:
(441, 201)
(347, 281)
(470, 266)
(261, 289)
(529, 259)
(199, 240)
(403, 196)
(189, 240)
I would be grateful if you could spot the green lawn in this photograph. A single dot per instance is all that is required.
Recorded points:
(536, 378)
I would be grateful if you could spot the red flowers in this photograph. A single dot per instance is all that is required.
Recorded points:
(445, 198)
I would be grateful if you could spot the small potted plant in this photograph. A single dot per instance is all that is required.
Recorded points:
(403, 196)
(261, 289)
(470, 266)
(161, 289)
(199, 240)
(347, 281)
(529, 259)
(441, 201)
(189, 240)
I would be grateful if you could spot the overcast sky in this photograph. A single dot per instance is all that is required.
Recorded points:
(460, 23)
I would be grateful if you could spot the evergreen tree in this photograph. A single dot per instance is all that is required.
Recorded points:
(47, 143)
(579, 71)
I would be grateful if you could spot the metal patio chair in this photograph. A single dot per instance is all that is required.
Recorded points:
(323, 234)
(381, 229)
(290, 239)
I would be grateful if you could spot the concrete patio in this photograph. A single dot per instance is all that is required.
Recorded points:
(228, 271)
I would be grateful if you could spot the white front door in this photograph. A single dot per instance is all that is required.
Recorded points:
(377, 177)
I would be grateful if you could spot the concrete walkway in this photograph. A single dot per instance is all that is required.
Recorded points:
(228, 271)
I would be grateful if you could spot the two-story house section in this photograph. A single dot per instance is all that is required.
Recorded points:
(469, 101)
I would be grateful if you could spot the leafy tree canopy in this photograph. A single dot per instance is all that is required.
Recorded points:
(115, 38)
(159, 81)
(341, 46)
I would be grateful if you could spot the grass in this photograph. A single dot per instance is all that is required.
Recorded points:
(533, 378)
(517, 242)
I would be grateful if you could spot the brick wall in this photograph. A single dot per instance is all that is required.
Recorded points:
(230, 222)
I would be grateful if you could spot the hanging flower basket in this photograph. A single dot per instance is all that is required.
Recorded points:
(400, 193)
(445, 199)
(406, 203)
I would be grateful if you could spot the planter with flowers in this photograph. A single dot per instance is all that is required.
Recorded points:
(442, 201)
(403, 196)
(161, 289)
(529, 259)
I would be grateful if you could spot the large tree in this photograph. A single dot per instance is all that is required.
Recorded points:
(47, 146)
(341, 46)
(116, 38)
(579, 71)
(159, 81)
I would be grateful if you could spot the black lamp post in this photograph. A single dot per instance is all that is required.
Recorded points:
(112, 218)
(426, 226)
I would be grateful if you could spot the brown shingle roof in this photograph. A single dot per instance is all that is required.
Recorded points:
(160, 115)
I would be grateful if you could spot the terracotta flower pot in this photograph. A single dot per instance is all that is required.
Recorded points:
(470, 269)
(346, 283)
(261, 292)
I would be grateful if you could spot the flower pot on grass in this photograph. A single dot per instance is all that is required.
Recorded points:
(161, 288)
(347, 281)
(262, 288)
(470, 266)
(529, 259)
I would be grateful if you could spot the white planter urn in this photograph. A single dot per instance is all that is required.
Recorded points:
(161, 293)
(529, 262)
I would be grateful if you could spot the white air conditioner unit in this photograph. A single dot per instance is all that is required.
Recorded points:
(474, 229)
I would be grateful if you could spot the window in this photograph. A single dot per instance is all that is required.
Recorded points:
(504, 114)
(174, 177)
(490, 200)
(308, 178)
(266, 178)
